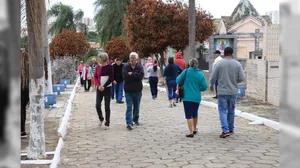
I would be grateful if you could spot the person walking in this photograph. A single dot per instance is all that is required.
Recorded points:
(133, 74)
(93, 66)
(104, 77)
(171, 72)
(154, 72)
(87, 77)
(218, 58)
(229, 72)
(193, 82)
(24, 91)
(179, 60)
(118, 80)
(112, 62)
(182, 64)
(80, 68)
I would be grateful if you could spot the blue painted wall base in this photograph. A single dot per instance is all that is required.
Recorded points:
(241, 92)
(65, 82)
(50, 99)
(58, 88)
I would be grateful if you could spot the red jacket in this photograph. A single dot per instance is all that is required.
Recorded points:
(180, 61)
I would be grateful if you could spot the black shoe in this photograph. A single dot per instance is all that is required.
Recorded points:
(190, 135)
(195, 132)
(120, 102)
(215, 97)
(23, 135)
(174, 105)
(129, 127)
(137, 123)
(224, 135)
(231, 132)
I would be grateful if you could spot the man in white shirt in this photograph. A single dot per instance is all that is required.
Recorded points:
(218, 58)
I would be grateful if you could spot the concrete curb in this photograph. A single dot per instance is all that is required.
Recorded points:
(272, 124)
(62, 130)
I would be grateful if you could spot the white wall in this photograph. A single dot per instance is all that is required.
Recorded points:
(263, 80)
(273, 83)
(256, 79)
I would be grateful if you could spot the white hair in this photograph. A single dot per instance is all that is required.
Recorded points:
(194, 63)
(103, 57)
(134, 54)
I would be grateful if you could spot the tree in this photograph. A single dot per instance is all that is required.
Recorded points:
(69, 43)
(192, 27)
(117, 48)
(92, 36)
(66, 18)
(166, 25)
(109, 18)
(92, 52)
(36, 15)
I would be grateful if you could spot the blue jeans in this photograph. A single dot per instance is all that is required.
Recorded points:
(153, 85)
(133, 101)
(171, 84)
(119, 91)
(226, 105)
(112, 90)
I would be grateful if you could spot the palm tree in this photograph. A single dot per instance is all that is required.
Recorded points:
(109, 18)
(65, 18)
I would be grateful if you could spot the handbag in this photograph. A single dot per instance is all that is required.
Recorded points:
(181, 89)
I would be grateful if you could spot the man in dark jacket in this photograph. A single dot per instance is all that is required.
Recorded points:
(118, 82)
(133, 74)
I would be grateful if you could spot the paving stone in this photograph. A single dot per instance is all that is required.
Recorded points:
(160, 139)
(215, 165)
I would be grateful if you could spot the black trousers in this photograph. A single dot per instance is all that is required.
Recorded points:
(24, 102)
(81, 79)
(89, 83)
(3, 111)
(106, 94)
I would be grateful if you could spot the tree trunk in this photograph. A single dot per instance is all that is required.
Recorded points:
(47, 56)
(35, 22)
(161, 64)
(192, 28)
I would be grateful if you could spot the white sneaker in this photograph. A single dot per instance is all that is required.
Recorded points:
(106, 128)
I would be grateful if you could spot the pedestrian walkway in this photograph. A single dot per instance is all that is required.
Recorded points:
(160, 139)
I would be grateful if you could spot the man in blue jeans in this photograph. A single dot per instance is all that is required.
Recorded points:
(118, 82)
(133, 74)
(229, 73)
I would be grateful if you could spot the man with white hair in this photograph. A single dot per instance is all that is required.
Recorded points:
(133, 74)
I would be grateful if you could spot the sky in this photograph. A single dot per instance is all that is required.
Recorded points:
(217, 8)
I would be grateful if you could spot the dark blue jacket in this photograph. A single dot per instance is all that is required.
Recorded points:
(133, 83)
(176, 71)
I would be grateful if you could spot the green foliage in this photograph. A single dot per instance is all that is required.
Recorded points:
(109, 18)
(92, 52)
(93, 37)
(66, 18)
(24, 43)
